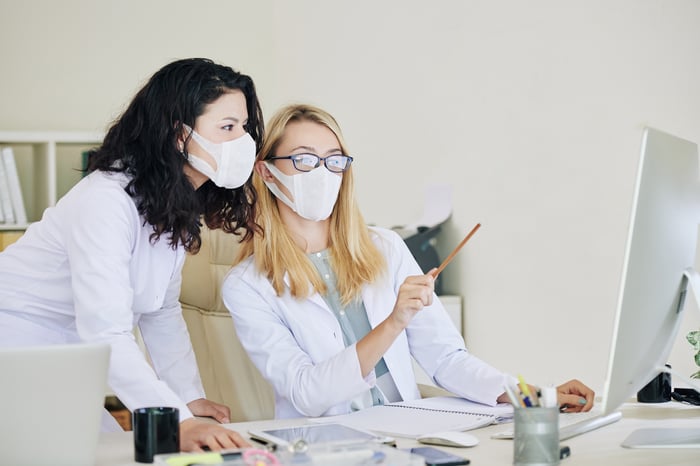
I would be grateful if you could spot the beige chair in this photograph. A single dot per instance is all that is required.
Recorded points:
(228, 375)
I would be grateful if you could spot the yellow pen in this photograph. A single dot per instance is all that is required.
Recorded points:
(526, 391)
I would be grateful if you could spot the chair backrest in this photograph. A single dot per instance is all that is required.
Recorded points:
(228, 375)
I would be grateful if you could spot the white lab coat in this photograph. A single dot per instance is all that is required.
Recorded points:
(298, 345)
(88, 272)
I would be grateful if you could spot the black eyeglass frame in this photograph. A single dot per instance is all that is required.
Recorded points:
(298, 157)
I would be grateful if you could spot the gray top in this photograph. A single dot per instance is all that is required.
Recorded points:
(352, 318)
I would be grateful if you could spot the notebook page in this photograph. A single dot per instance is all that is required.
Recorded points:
(503, 412)
(416, 418)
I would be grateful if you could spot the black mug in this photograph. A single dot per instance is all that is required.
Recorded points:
(656, 391)
(156, 430)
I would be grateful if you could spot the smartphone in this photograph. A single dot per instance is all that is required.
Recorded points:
(437, 457)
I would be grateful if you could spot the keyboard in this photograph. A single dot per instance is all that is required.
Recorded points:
(573, 424)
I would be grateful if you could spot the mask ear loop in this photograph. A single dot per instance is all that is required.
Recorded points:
(272, 186)
(182, 142)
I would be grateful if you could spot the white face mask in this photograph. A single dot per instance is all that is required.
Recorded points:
(234, 160)
(314, 192)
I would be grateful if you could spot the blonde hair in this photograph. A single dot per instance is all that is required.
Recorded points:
(354, 257)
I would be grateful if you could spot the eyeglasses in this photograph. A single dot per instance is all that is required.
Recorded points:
(336, 163)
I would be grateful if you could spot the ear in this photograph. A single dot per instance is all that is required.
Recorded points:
(262, 171)
(181, 141)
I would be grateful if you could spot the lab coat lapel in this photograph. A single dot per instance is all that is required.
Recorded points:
(375, 305)
(315, 298)
(379, 302)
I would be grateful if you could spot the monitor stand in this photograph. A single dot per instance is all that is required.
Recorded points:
(663, 438)
(668, 437)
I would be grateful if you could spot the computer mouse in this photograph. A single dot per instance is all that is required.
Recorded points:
(449, 439)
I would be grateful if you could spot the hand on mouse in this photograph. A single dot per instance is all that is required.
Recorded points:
(574, 397)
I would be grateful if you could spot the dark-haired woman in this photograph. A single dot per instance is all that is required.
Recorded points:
(109, 255)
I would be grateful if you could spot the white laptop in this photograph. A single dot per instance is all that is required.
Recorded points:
(51, 403)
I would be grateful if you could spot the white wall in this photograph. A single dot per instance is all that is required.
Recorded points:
(75, 64)
(531, 111)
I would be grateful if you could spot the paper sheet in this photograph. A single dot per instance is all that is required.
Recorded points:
(437, 208)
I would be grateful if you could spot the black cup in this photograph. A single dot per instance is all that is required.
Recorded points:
(156, 430)
(656, 391)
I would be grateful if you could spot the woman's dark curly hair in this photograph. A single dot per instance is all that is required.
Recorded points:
(143, 143)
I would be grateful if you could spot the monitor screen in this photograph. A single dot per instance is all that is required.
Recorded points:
(661, 243)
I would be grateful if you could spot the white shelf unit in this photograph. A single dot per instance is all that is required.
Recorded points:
(48, 163)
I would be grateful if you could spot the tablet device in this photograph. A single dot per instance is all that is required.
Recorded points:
(316, 433)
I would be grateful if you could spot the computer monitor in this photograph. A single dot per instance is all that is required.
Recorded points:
(658, 263)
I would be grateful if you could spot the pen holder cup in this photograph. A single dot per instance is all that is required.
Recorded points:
(156, 431)
(536, 436)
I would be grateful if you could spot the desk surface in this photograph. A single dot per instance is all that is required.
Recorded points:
(599, 447)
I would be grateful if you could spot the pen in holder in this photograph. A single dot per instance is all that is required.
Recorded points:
(536, 436)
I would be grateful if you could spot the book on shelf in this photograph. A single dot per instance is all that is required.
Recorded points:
(15, 189)
(8, 216)
(413, 419)
(8, 237)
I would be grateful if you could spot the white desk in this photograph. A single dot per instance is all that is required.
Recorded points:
(600, 447)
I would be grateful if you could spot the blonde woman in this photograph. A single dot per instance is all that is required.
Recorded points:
(331, 310)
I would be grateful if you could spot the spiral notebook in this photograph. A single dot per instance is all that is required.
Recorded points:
(412, 419)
